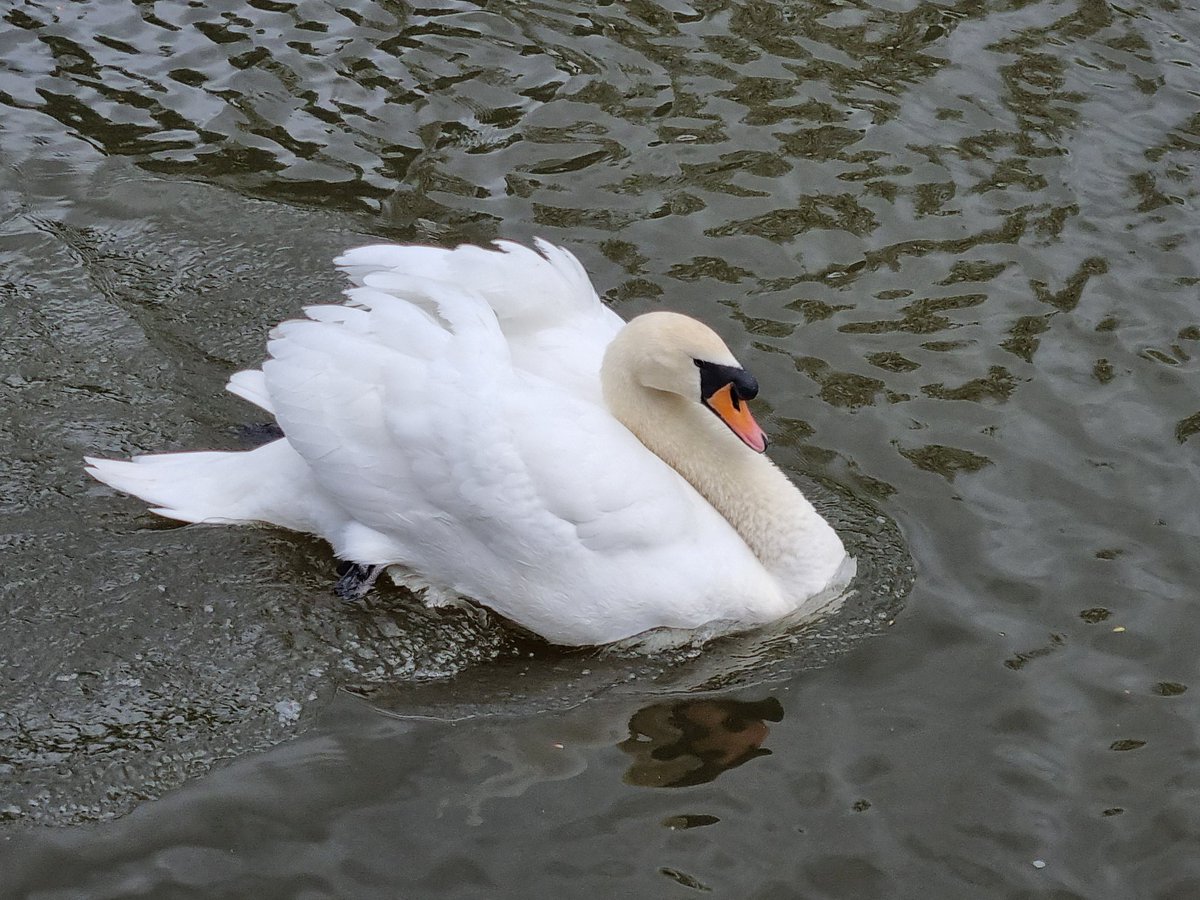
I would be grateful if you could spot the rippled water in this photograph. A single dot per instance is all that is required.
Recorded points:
(956, 243)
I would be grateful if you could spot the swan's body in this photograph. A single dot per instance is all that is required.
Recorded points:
(452, 419)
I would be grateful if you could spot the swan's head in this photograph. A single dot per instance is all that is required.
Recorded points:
(670, 352)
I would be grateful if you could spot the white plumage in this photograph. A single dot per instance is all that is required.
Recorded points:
(450, 419)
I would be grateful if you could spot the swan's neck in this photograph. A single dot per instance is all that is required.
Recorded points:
(791, 540)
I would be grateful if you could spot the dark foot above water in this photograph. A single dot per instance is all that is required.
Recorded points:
(355, 580)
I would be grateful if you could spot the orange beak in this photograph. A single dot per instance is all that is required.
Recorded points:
(736, 414)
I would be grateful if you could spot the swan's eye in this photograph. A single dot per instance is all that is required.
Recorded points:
(714, 376)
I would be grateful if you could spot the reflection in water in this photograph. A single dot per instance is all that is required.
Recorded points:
(693, 741)
(958, 241)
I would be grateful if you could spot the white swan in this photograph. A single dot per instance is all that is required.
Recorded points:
(479, 421)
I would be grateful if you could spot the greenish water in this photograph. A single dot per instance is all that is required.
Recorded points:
(956, 243)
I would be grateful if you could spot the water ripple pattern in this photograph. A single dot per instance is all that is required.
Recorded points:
(956, 241)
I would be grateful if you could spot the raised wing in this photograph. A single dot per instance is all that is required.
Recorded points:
(546, 307)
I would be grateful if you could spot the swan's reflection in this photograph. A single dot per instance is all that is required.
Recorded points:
(693, 741)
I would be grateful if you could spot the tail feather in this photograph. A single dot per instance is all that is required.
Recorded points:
(268, 484)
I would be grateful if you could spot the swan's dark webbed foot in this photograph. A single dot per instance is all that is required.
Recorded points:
(355, 580)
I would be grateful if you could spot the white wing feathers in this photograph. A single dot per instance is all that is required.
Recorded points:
(249, 385)
(518, 283)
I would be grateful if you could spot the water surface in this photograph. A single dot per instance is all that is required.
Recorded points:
(956, 243)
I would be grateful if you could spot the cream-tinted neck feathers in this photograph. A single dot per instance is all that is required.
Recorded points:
(651, 384)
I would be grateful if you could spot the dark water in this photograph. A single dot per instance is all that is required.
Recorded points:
(957, 244)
